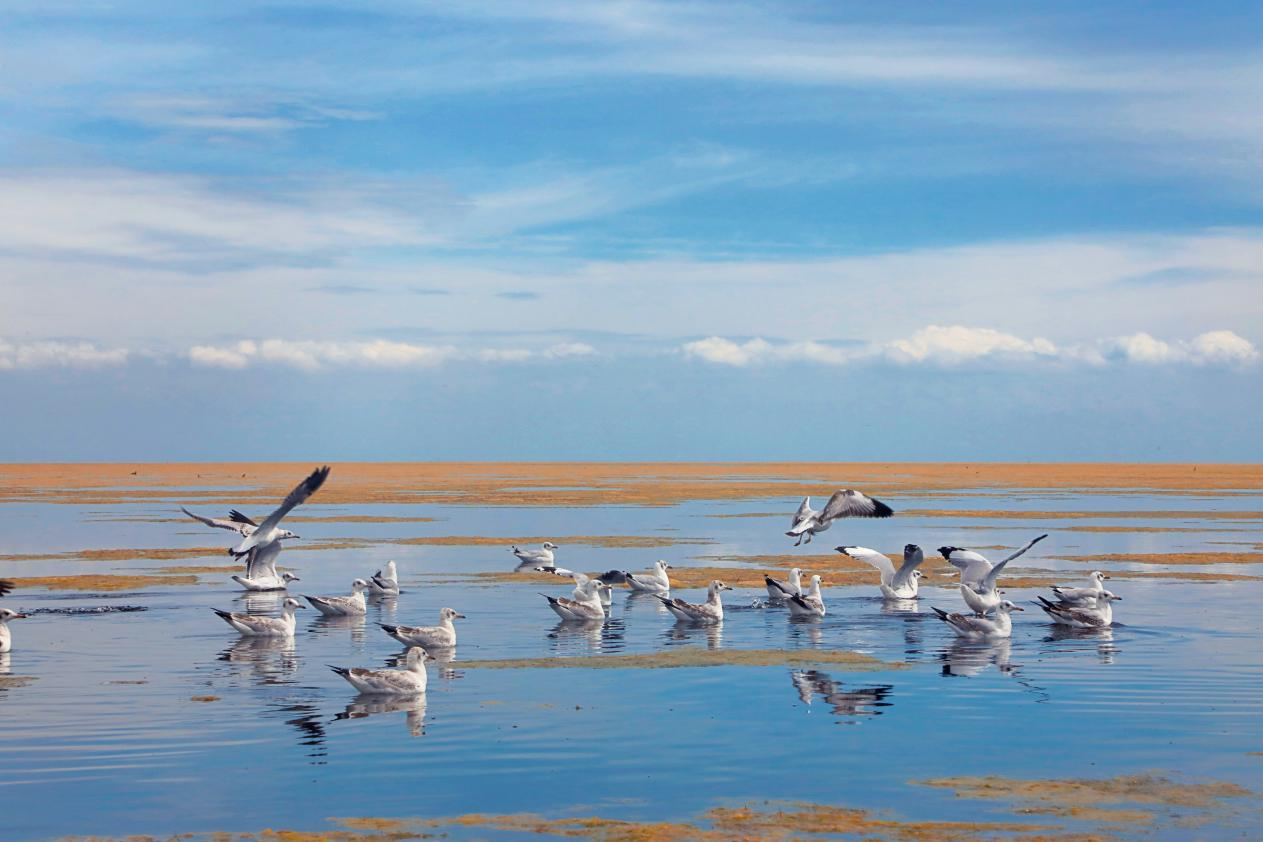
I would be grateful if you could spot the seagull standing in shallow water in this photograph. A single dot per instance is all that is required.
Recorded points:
(845, 503)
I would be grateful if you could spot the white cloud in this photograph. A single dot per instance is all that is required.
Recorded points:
(313, 355)
(959, 345)
(24, 355)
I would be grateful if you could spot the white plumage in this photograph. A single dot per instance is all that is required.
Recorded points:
(409, 681)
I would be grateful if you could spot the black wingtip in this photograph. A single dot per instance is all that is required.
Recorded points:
(942, 615)
(223, 614)
(389, 629)
(6, 587)
(946, 552)
(237, 517)
(342, 671)
(552, 600)
(881, 509)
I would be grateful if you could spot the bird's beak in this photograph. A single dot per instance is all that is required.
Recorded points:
(1018, 608)
(460, 616)
(1107, 577)
(21, 616)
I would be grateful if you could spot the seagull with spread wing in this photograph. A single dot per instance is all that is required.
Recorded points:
(269, 530)
(845, 503)
(895, 584)
(978, 575)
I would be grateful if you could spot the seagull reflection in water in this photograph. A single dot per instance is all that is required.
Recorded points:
(311, 731)
(366, 705)
(966, 658)
(849, 705)
(598, 636)
(442, 657)
(324, 624)
(272, 659)
(1101, 639)
(693, 632)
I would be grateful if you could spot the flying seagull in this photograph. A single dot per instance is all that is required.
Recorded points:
(268, 531)
(845, 503)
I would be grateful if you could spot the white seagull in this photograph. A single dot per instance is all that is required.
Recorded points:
(1085, 596)
(777, 589)
(409, 681)
(385, 582)
(845, 503)
(895, 584)
(603, 590)
(261, 573)
(542, 557)
(268, 531)
(7, 614)
(442, 636)
(252, 626)
(810, 604)
(978, 575)
(980, 628)
(342, 606)
(1099, 616)
(585, 606)
(655, 581)
(710, 611)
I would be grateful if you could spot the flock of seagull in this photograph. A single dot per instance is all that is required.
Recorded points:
(988, 617)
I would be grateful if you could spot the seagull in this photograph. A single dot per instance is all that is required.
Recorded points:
(261, 572)
(580, 579)
(655, 581)
(1100, 616)
(442, 636)
(586, 605)
(810, 604)
(845, 503)
(409, 681)
(252, 626)
(785, 590)
(978, 628)
(342, 606)
(1082, 596)
(895, 584)
(6, 638)
(710, 611)
(536, 558)
(385, 584)
(978, 576)
(268, 531)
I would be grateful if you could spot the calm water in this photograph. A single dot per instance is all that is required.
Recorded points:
(108, 730)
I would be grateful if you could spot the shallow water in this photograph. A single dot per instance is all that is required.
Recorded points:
(110, 729)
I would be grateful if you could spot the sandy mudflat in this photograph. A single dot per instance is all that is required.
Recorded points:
(585, 484)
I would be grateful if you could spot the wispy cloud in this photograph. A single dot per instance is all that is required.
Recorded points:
(312, 355)
(957, 345)
(518, 295)
(30, 355)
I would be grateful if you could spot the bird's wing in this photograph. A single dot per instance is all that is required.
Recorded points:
(879, 560)
(262, 560)
(804, 511)
(970, 624)
(6, 587)
(911, 561)
(851, 503)
(772, 583)
(258, 624)
(237, 517)
(299, 495)
(217, 523)
(988, 581)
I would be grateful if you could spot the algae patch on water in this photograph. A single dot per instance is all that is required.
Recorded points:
(102, 582)
(695, 656)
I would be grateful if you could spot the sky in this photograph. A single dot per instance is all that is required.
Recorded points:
(631, 230)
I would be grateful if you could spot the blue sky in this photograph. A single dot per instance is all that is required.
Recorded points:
(631, 230)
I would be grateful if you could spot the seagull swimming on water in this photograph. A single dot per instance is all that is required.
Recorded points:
(342, 606)
(710, 611)
(585, 606)
(269, 530)
(810, 604)
(979, 628)
(604, 591)
(1099, 616)
(385, 582)
(442, 636)
(410, 681)
(261, 573)
(1085, 596)
(6, 637)
(655, 581)
(252, 626)
(779, 590)
(845, 503)
(895, 584)
(542, 557)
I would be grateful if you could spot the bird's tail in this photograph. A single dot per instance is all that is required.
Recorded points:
(391, 630)
(342, 671)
